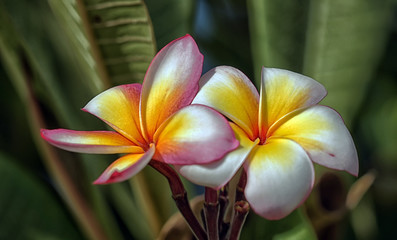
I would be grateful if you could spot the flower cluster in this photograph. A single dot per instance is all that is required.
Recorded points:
(177, 118)
(281, 132)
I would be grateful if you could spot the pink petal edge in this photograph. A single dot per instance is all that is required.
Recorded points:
(106, 142)
(112, 175)
(190, 88)
(201, 147)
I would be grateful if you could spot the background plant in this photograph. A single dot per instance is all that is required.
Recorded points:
(56, 55)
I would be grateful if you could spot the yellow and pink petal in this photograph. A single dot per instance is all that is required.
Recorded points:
(194, 135)
(322, 133)
(126, 167)
(280, 177)
(171, 82)
(218, 174)
(119, 108)
(104, 142)
(282, 92)
(229, 91)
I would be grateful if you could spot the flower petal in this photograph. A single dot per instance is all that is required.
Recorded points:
(119, 108)
(126, 167)
(280, 177)
(171, 82)
(321, 132)
(230, 92)
(90, 141)
(218, 173)
(194, 135)
(282, 92)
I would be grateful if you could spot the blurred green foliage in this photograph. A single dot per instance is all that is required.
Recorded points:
(56, 55)
(22, 210)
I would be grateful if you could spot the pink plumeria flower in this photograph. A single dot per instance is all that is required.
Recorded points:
(281, 132)
(154, 120)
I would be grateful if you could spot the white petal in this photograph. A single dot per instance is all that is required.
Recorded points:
(280, 176)
(321, 132)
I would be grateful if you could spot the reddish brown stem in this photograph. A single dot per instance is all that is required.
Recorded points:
(241, 209)
(241, 186)
(211, 208)
(223, 204)
(180, 196)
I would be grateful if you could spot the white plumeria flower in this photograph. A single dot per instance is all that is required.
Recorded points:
(282, 132)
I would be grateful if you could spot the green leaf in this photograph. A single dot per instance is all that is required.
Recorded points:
(122, 32)
(222, 33)
(171, 19)
(277, 33)
(21, 71)
(344, 42)
(295, 226)
(44, 60)
(114, 39)
(378, 122)
(28, 209)
(70, 21)
(338, 43)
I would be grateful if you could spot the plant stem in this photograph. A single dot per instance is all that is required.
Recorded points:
(223, 200)
(180, 196)
(241, 209)
(211, 210)
(241, 186)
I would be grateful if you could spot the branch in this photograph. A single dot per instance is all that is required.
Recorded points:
(180, 196)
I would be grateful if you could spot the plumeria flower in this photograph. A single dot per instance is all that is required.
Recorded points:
(154, 120)
(281, 131)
